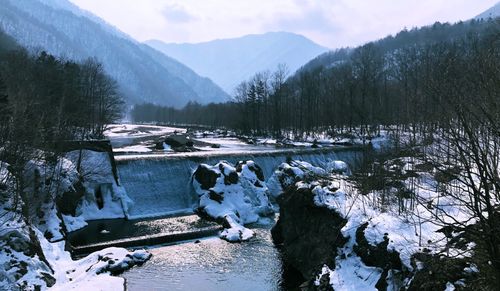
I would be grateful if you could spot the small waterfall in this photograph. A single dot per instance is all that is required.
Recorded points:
(161, 186)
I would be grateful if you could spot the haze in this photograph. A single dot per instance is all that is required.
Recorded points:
(333, 23)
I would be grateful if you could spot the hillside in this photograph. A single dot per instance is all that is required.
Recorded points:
(144, 75)
(490, 13)
(229, 61)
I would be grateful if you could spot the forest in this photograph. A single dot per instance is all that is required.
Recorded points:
(46, 100)
(406, 80)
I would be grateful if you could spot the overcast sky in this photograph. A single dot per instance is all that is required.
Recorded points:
(332, 23)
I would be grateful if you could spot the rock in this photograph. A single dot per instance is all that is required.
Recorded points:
(307, 234)
(232, 196)
(115, 264)
(377, 256)
(159, 146)
(434, 272)
(178, 140)
(252, 167)
(68, 201)
(205, 176)
(48, 278)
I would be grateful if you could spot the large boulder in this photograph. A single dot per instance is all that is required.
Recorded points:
(307, 234)
(233, 195)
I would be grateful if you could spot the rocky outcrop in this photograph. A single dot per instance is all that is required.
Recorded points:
(307, 234)
(377, 256)
(232, 195)
(23, 263)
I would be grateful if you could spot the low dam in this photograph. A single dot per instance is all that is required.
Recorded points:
(161, 185)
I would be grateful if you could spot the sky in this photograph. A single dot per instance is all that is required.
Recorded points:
(331, 23)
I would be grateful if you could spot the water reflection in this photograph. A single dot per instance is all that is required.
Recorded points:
(211, 264)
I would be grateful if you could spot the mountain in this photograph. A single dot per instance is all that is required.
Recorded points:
(143, 74)
(229, 61)
(490, 13)
(426, 35)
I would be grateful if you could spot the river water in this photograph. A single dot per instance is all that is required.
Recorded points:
(212, 264)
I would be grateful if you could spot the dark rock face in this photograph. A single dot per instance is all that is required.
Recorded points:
(68, 201)
(206, 177)
(308, 235)
(377, 256)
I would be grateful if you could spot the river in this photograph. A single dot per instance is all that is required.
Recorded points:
(212, 264)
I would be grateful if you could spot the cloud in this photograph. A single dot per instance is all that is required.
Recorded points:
(332, 23)
(175, 13)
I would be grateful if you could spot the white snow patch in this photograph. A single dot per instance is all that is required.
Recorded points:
(239, 203)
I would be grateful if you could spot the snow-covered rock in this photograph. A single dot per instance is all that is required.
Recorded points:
(385, 248)
(236, 195)
(291, 172)
(103, 198)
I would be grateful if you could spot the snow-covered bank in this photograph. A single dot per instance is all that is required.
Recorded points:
(234, 195)
(371, 244)
(33, 255)
(93, 272)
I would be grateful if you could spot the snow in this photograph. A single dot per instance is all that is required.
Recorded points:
(98, 179)
(21, 271)
(127, 134)
(449, 287)
(235, 231)
(240, 202)
(408, 232)
(289, 173)
(340, 167)
(92, 272)
(74, 223)
(133, 148)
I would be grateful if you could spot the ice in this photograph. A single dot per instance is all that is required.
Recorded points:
(161, 185)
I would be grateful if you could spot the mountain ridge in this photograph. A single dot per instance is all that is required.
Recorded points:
(143, 75)
(229, 61)
(491, 12)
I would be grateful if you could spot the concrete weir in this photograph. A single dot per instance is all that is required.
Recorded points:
(161, 184)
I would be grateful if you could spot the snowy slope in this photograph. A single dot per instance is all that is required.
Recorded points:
(230, 61)
(143, 74)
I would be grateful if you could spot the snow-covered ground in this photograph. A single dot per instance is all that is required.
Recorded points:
(122, 135)
(93, 272)
(408, 232)
(28, 260)
(140, 140)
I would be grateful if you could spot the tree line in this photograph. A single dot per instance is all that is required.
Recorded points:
(382, 83)
(45, 100)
